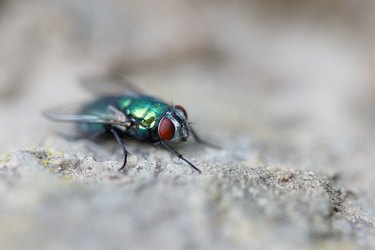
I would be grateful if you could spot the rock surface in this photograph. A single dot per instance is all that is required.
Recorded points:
(286, 89)
(59, 200)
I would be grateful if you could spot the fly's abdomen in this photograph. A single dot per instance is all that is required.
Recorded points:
(97, 108)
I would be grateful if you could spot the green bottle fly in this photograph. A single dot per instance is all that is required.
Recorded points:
(137, 116)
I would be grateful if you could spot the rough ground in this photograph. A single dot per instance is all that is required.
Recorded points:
(286, 88)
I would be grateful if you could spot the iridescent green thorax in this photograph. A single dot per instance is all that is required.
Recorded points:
(147, 110)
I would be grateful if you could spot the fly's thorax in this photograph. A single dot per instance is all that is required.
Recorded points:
(155, 119)
(145, 111)
(173, 125)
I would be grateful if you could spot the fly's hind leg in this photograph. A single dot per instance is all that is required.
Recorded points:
(122, 145)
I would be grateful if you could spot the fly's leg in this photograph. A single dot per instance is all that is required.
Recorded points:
(200, 141)
(122, 144)
(174, 151)
(129, 85)
(109, 84)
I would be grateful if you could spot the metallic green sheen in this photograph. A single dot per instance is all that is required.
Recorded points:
(148, 111)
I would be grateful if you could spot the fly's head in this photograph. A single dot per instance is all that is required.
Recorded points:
(173, 125)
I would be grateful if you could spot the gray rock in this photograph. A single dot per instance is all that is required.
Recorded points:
(56, 200)
(286, 88)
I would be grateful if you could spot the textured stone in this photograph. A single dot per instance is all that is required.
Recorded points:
(288, 98)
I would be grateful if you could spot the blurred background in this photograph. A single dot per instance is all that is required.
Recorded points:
(289, 83)
(296, 78)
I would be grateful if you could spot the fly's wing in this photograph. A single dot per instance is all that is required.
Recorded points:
(110, 85)
(110, 116)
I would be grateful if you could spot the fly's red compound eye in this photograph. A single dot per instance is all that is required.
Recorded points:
(166, 129)
(182, 109)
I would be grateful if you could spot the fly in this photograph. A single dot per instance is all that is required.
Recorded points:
(132, 114)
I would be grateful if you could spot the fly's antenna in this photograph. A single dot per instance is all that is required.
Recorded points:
(175, 152)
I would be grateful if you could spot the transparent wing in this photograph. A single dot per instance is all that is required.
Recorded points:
(110, 116)
(110, 85)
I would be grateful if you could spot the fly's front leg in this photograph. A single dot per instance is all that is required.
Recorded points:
(122, 144)
(200, 141)
(175, 152)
